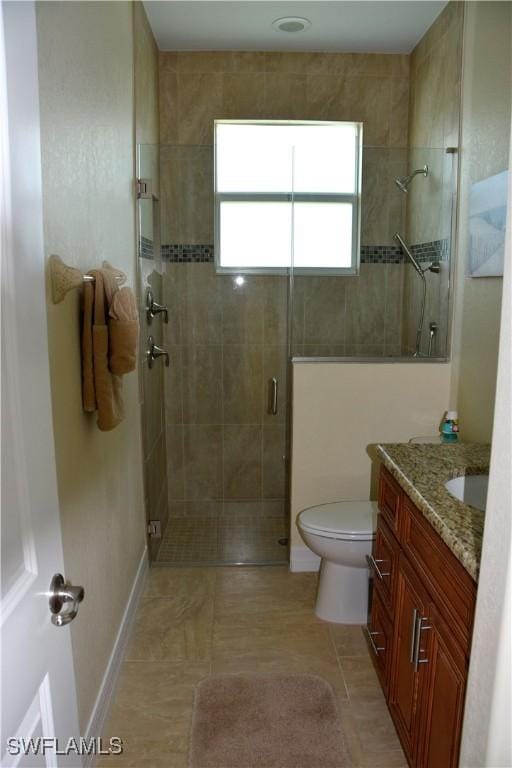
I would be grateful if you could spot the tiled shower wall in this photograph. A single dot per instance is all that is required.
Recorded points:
(436, 65)
(196, 88)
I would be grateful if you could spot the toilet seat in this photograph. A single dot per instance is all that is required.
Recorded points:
(344, 520)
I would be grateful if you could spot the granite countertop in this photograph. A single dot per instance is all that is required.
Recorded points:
(422, 470)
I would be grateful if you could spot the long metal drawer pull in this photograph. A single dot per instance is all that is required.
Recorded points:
(417, 650)
(376, 649)
(413, 635)
(372, 563)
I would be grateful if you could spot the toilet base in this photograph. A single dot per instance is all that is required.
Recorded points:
(342, 595)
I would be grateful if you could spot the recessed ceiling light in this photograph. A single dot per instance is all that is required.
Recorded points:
(291, 24)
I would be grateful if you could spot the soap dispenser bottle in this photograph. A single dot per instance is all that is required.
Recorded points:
(450, 427)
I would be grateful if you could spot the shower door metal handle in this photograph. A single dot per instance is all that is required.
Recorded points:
(273, 396)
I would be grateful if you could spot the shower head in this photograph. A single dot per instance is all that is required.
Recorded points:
(403, 182)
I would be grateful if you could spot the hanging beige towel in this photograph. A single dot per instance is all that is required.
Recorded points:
(123, 327)
(106, 384)
(101, 388)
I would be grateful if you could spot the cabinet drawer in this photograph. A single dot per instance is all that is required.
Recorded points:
(384, 563)
(389, 499)
(380, 636)
(452, 588)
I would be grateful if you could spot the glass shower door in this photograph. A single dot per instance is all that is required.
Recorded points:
(226, 389)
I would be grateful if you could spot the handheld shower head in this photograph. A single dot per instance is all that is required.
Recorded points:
(403, 182)
(409, 255)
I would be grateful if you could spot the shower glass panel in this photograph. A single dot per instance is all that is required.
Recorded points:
(152, 380)
(375, 314)
(227, 420)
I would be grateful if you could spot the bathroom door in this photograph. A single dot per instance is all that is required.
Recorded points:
(38, 686)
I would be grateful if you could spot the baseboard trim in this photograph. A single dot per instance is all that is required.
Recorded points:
(108, 684)
(303, 559)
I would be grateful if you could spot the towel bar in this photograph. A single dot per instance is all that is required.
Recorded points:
(65, 279)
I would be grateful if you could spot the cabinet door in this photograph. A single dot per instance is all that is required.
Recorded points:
(380, 633)
(407, 675)
(443, 699)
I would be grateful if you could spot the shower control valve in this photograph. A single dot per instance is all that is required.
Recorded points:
(154, 352)
(153, 308)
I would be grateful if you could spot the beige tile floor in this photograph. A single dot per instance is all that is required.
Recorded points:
(193, 622)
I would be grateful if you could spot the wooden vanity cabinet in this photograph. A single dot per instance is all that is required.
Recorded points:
(420, 629)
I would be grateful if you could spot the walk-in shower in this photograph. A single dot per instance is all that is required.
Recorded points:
(231, 339)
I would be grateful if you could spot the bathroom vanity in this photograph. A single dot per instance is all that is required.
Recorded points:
(425, 565)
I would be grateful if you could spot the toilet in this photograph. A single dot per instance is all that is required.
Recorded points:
(342, 534)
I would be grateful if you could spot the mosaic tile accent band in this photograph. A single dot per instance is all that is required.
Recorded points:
(181, 253)
(436, 250)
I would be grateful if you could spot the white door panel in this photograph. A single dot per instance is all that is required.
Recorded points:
(38, 687)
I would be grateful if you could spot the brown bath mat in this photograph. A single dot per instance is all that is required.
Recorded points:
(266, 721)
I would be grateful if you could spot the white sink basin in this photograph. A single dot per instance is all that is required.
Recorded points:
(471, 489)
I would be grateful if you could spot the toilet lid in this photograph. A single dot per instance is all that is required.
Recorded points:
(341, 519)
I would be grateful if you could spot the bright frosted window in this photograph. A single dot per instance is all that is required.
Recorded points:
(269, 243)
(287, 194)
(323, 229)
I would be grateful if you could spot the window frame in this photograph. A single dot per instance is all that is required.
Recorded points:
(353, 198)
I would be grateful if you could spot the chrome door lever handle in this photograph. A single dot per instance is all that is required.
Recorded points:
(154, 352)
(64, 600)
(153, 308)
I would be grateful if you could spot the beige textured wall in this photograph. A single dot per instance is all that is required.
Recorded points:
(150, 272)
(339, 410)
(487, 92)
(433, 125)
(86, 81)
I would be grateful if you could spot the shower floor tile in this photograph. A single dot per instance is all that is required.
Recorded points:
(201, 540)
